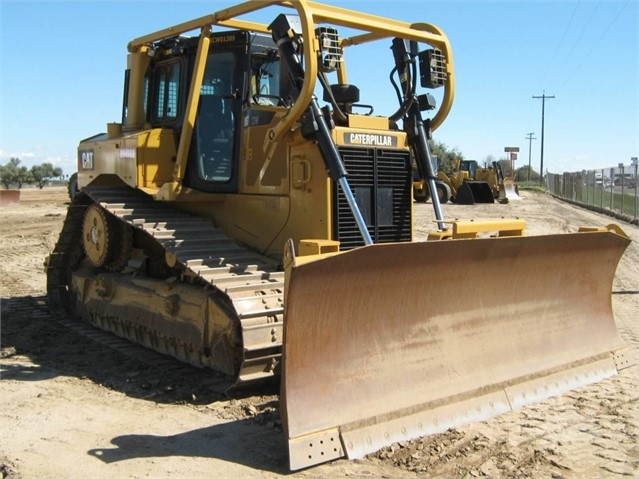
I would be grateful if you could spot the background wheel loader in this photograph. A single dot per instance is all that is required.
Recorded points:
(233, 222)
(466, 184)
(421, 190)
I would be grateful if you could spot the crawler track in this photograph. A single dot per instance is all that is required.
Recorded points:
(206, 259)
(30, 307)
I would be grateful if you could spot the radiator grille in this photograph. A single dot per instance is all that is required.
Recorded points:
(381, 182)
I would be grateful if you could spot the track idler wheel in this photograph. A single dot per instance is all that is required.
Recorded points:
(106, 241)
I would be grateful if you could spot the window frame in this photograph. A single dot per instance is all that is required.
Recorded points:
(167, 67)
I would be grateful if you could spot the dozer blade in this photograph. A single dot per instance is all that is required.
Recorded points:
(391, 342)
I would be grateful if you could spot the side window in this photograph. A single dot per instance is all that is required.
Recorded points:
(265, 80)
(147, 81)
(125, 97)
(127, 91)
(166, 88)
(270, 85)
(215, 125)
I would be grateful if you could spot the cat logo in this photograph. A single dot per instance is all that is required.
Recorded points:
(86, 159)
(367, 139)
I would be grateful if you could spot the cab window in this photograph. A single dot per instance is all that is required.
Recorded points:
(167, 89)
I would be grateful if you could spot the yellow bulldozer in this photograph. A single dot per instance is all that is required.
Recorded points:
(232, 221)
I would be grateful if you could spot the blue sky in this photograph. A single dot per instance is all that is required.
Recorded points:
(62, 69)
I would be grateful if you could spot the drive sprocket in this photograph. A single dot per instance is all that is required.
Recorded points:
(107, 241)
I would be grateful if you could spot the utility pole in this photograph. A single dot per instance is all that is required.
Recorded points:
(530, 138)
(543, 107)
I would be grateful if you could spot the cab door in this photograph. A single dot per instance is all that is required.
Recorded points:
(213, 156)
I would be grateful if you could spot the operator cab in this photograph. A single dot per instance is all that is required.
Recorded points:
(244, 85)
(227, 93)
(229, 97)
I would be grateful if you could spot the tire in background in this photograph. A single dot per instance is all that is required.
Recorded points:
(72, 187)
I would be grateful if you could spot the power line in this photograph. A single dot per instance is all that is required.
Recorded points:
(543, 109)
(569, 77)
(560, 44)
(578, 39)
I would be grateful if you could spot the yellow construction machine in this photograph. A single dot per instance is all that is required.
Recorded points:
(233, 222)
(464, 185)
(443, 186)
(488, 175)
(504, 188)
(467, 184)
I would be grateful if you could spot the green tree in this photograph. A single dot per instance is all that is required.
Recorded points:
(12, 173)
(521, 174)
(24, 176)
(43, 173)
(447, 156)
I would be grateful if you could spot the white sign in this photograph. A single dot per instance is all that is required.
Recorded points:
(127, 153)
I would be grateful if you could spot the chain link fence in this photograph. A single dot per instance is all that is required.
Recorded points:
(608, 190)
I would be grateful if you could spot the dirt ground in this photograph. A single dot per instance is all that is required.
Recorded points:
(72, 406)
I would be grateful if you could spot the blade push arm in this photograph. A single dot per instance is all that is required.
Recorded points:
(416, 128)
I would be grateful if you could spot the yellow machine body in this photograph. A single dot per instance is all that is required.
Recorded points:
(277, 238)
